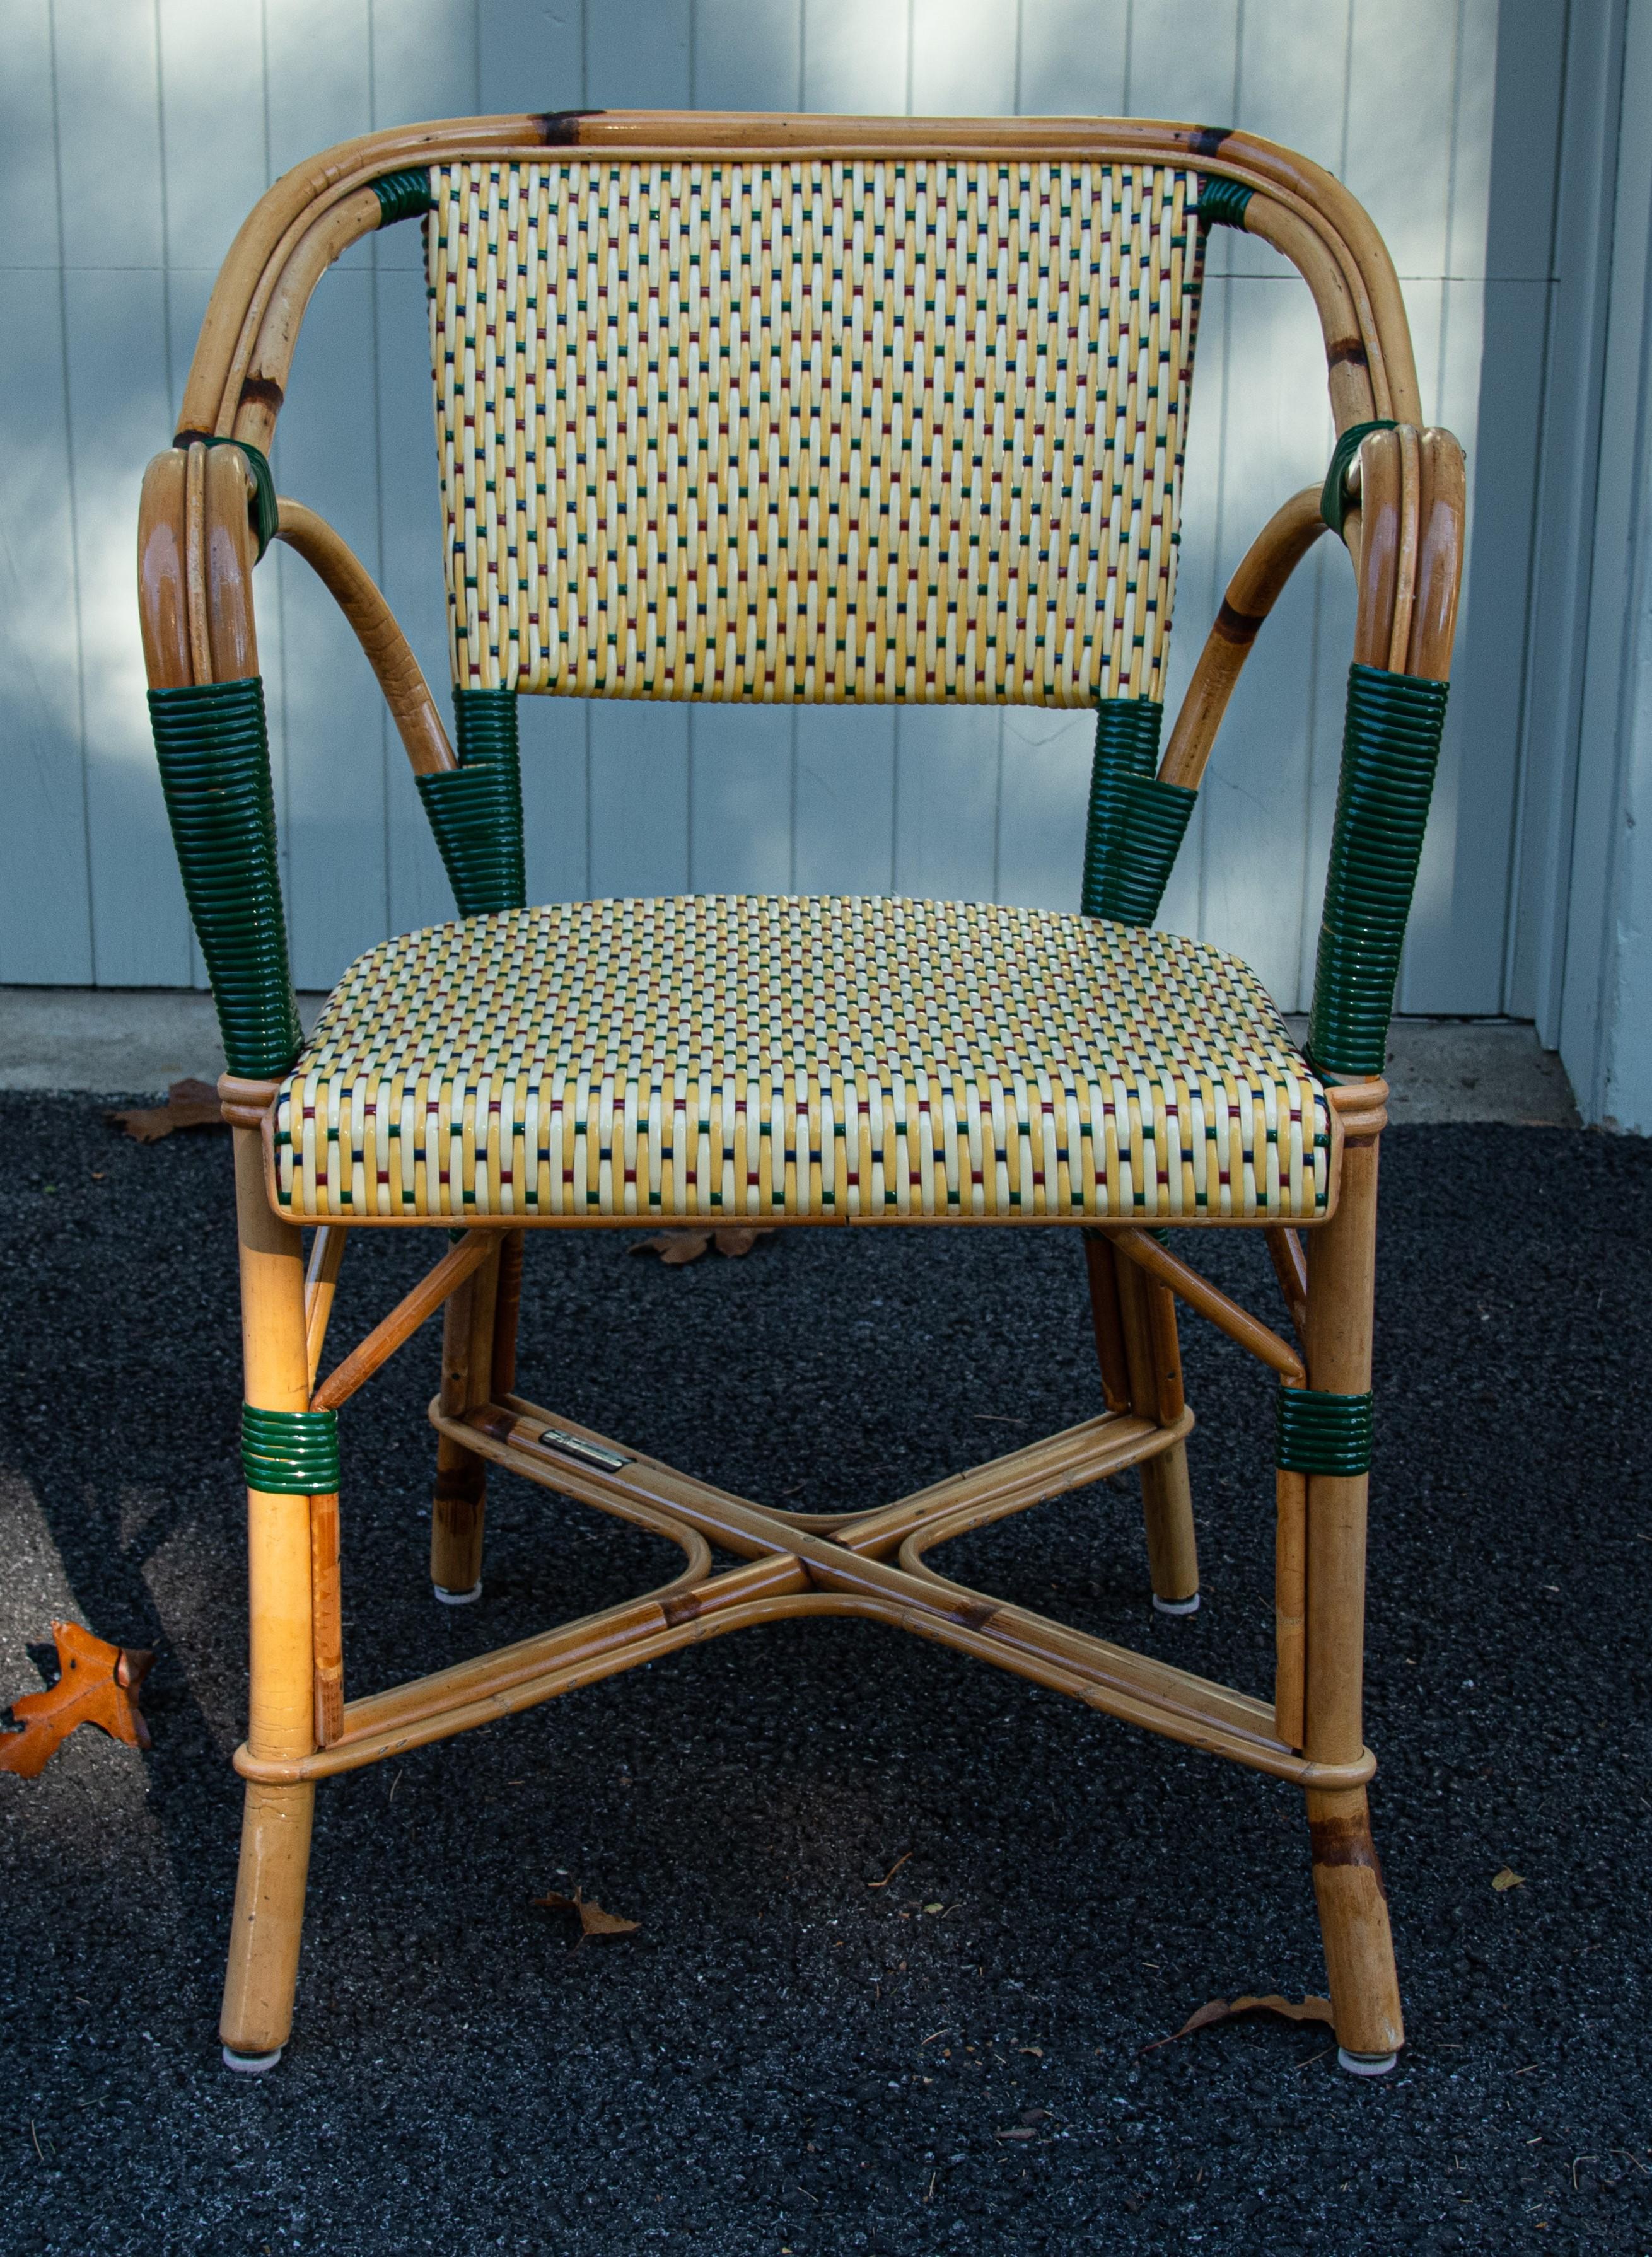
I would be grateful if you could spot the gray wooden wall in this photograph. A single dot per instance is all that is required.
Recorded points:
(134, 134)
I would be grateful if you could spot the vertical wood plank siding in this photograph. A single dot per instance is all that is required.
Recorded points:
(199, 103)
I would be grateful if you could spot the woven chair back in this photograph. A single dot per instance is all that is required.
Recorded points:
(883, 430)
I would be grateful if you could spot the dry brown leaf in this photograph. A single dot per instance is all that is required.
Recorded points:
(676, 1247)
(189, 1105)
(96, 1684)
(1508, 1878)
(592, 1918)
(739, 1241)
(1224, 2010)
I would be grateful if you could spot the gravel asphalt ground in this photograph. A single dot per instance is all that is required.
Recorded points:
(784, 2058)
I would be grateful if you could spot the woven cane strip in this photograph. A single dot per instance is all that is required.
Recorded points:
(756, 1055)
(814, 431)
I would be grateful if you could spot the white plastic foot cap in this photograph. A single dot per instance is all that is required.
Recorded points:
(1365, 2065)
(252, 2064)
(1177, 1606)
(457, 1598)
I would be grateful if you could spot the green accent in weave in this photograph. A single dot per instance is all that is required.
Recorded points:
(402, 195)
(1135, 823)
(1332, 501)
(1321, 1433)
(1222, 203)
(475, 809)
(213, 751)
(262, 514)
(1391, 747)
(290, 1453)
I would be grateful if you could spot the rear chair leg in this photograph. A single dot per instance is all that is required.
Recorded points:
(1353, 1906)
(1141, 1357)
(269, 1896)
(478, 1356)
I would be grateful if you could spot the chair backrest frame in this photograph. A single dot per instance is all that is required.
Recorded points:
(1396, 496)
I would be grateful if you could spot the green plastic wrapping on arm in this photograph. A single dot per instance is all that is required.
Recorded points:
(475, 810)
(1322, 1434)
(1222, 203)
(402, 195)
(212, 748)
(261, 510)
(1391, 748)
(290, 1453)
(1135, 823)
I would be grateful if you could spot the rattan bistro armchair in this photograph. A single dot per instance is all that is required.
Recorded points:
(819, 409)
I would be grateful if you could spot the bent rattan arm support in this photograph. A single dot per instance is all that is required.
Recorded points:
(399, 676)
(1251, 594)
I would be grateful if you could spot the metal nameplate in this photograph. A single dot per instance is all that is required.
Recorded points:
(575, 1445)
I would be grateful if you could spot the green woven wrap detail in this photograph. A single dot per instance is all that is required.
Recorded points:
(402, 195)
(475, 809)
(1391, 747)
(290, 1453)
(213, 751)
(1323, 1434)
(1134, 824)
(262, 514)
(1222, 203)
(1332, 501)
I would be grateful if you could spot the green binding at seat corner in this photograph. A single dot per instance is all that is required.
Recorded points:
(1333, 500)
(212, 748)
(475, 810)
(1135, 823)
(1222, 203)
(290, 1453)
(402, 195)
(1391, 748)
(1322, 1434)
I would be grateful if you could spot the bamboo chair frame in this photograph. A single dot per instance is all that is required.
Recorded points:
(1398, 494)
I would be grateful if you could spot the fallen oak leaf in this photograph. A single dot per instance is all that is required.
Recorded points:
(1508, 1878)
(734, 1241)
(592, 1918)
(1226, 2010)
(97, 1684)
(675, 1247)
(189, 1105)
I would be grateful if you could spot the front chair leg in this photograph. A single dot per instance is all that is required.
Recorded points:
(1348, 1887)
(269, 1898)
(470, 1335)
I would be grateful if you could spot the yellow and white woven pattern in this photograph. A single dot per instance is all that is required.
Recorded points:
(870, 430)
(763, 1056)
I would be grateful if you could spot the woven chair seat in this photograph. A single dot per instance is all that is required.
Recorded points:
(816, 1059)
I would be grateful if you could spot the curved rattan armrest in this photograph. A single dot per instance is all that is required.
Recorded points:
(1251, 594)
(399, 676)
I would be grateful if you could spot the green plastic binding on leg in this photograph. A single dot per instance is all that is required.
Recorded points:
(1391, 747)
(1135, 823)
(290, 1453)
(213, 750)
(1321, 1433)
(402, 195)
(475, 809)
(1222, 203)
